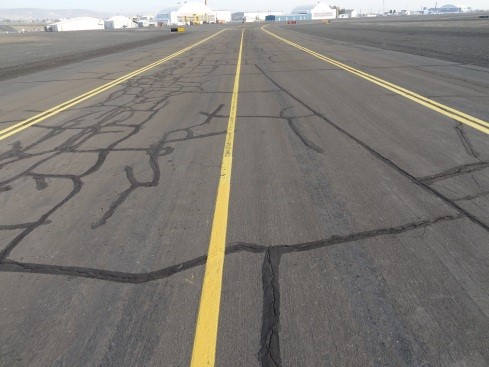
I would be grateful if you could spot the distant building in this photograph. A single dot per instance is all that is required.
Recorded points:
(186, 13)
(146, 21)
(285, 18)
(348, 13)
(316, 11)
(319, 11)
(76, 24)
(450, 9)
(120, 22)
(238, 17)
(256, 16)
(222, 16)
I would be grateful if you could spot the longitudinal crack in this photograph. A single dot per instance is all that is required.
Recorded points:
(419, 182)
(269, 353)
(468, 146)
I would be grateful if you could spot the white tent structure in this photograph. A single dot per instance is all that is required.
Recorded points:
(316, 11)
(119, 22)
(76, 24)
(186, 13)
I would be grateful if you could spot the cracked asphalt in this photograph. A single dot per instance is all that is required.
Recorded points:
(358, 230)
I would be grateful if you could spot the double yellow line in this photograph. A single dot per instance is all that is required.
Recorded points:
(459, 116)
(72, 102)
(204, 351)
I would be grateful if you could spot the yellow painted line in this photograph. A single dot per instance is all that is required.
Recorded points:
(457, 115)
(72, 102)
(205, 341)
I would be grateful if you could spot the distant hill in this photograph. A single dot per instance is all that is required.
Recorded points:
(42, 14)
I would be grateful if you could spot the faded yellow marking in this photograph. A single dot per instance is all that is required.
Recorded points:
(457, 115)
(204, 350)
(72, 102)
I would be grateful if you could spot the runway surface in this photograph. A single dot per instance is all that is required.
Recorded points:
(332, 198)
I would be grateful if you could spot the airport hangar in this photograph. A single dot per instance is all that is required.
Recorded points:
(76, 24)
(319, 11)
(191, 13)
(120, 22)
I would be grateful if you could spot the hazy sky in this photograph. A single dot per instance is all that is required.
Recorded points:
(131, 6)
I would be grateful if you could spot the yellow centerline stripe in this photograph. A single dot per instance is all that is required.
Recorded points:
(204, 350)
(72, 102)
(457, 115)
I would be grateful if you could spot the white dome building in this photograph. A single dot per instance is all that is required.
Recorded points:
(187, 13)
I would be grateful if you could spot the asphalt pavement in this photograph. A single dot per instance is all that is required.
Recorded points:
(455, 37)
(357, 222)
(26, 53)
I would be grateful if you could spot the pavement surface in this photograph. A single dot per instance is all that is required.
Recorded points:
(357, 223)
(458, 38)
(25, 53)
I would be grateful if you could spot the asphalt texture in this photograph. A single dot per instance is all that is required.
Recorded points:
(358, 230)
(25, 53)
(457, 38)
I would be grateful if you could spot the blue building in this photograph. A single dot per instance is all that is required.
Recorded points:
(318, 11)
(285, 18)
(450, 9)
